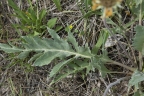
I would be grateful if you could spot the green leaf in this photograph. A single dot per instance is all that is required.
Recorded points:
(136, 7)
(53, 34)
(59, 66)
(136, 78)
(139, 38)
(35, 57)
(67, 29)
(58, 5)
(31, 14)
(90, 13)
(46, 58)
(42, 14)
(96, 62)
(58, 78)
(87, 2)
(138, 2)
(72, 40)
(51, 23)
(58, 28)
(130, 23)
(138, 93)
(101, 41)
(13, 5)
(74, 69)
(20, 14)
(109, 21)
(46, 50)
(9, 49)
(51, 48)
(23, 55)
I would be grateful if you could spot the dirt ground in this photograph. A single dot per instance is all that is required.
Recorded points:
(17, 78)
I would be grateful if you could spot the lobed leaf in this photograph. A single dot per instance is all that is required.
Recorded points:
(47, 49)
(139, 38)
(59, 66)
(74, 68)
(136, 78)
(50, 48)
(9, 49)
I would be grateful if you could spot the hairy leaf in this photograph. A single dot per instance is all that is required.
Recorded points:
(74, 58)
(139, 38)
(50, 47)
(99, 64)
(9, 49)
(59, 66)
(74, 68)
(136, 78)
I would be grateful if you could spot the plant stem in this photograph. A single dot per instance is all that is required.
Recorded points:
(109, 61)
(120, 64)
(140, 54)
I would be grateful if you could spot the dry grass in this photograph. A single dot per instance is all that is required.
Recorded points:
(20, 79)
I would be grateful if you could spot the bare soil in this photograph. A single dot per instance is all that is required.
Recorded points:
(18, 78)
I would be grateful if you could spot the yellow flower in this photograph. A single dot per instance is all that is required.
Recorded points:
(70, 26)
(108, 6)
